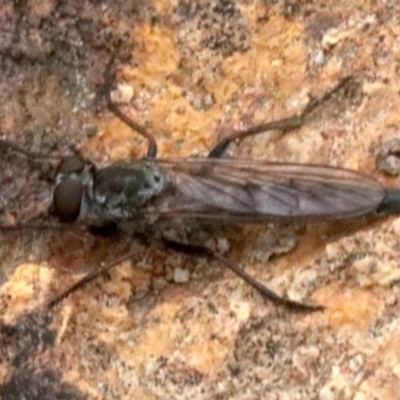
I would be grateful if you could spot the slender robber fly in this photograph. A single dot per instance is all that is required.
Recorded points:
(146, 197)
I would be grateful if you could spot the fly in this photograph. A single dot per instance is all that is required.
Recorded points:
(146, 196)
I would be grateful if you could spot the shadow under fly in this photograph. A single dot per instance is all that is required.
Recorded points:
(154, 198)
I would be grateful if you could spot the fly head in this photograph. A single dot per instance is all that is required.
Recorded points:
(98, 197)
(69, 186)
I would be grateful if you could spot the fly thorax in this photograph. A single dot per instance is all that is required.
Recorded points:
(122, 191)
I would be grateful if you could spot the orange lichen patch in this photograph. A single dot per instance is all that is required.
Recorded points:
(155, 53)
(164, 6)
(390, 349)
(157, 81)
(23, 289)
(385, 365)
(203, 346)
(277, 51)
(378, 388)
(157, 340)
(4, 372)
(307, 249)
(349, 308)
(169, 111)
(206, 345)
(204, 353)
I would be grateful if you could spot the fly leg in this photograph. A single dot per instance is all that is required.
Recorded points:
(90, 276)
(284, 124)
(109, 78)
(264, 291)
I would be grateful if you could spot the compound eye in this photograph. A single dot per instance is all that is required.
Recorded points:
(71, 164)
(67, 199)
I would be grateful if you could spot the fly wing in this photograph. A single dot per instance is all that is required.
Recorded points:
(256, 191)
